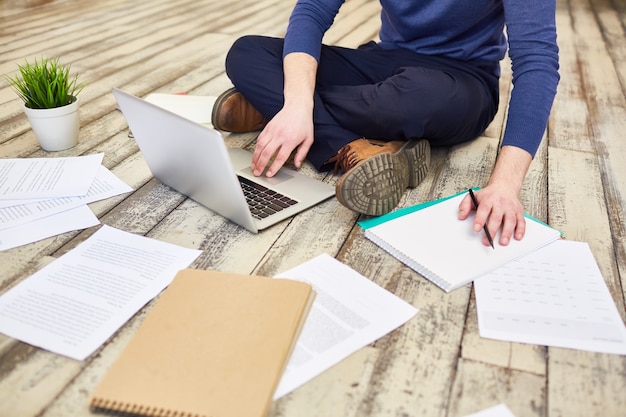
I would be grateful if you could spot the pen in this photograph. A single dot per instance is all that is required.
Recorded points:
(471, 193)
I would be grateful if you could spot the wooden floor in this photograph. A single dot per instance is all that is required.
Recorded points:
(435, 365)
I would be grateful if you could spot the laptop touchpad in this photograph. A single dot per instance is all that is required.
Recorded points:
(279, 177)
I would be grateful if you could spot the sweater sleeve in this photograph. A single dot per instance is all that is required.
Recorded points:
(531, 33)
(309, 21)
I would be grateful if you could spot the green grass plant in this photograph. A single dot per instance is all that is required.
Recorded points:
(45, 84)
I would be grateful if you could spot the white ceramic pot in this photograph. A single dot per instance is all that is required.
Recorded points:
(56, 128)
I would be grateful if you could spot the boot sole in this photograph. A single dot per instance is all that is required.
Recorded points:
(376, 185)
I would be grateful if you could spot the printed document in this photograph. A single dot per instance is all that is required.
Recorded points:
(104, 185)
(74, 219)
(349, 313)
(73, 305)
(555, 296)
(25, 178)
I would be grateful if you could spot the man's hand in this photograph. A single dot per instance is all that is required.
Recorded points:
(292, 127)
(499, 206)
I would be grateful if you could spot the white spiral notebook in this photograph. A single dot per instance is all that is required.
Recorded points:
(431, 240)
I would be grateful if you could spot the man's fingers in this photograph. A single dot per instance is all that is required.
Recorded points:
(508, 227)
(465, 207)
(494, 221)
(262, 157)
(485, 213)
(301, 152)
(520, 227)
(278, 162)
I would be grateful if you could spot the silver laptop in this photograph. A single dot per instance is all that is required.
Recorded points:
(194, 160)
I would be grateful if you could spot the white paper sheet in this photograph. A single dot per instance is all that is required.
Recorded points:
(349, 313)
(196, 108)
(500, 410)
(555, 296)
(24, 178)
(73, 305)
(74, 219)
(105, 185)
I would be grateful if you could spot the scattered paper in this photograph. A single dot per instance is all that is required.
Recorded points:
(349, 313)
(73, 305)
(195, 108)
(105, 185)
(555, 296)
(500, 410)
(25, 178)
(74, 219)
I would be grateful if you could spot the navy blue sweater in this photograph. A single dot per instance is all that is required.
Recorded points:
(468, 30)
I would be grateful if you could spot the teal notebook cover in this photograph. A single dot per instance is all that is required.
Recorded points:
(374, 221)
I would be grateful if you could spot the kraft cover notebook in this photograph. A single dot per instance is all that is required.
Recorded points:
(434, 242)
(214, 345)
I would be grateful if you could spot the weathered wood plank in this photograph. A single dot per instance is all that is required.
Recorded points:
(482, 386)
(607, 104)
(578, 209)
(435, 365)
(580, 206)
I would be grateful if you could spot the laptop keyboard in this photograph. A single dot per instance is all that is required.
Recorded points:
(263, 202)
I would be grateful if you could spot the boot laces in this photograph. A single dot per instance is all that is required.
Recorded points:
(353, 153)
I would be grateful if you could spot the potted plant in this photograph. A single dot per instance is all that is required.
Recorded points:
(50, 98)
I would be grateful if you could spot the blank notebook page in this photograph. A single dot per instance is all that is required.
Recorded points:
(446, 250)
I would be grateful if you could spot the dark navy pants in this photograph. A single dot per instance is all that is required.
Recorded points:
(374, 93)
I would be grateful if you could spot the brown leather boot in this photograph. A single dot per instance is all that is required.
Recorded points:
(377, 173)
(233, 113)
